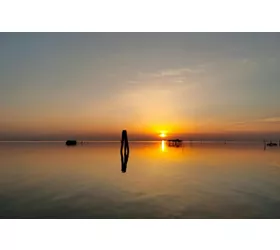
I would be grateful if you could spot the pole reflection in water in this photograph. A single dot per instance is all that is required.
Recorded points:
(124, 160)
(124, 151)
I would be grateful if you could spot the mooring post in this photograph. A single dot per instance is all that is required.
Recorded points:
(124, 151)
(124, 142)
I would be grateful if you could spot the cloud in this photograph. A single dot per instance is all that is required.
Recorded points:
(164, 77)
(177, 72)
(270, 119)
(243, 124)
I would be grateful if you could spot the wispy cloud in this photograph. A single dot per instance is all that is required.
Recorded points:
(168, 76)
(177, 72)
(270, 119)
(267, 120)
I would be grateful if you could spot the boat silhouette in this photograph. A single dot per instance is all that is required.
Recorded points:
(175, 143)
(271, 144)
(71, 142)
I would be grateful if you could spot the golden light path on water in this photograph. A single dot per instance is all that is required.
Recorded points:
(162, 145)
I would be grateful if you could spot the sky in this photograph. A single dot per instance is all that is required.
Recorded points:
(91, 86)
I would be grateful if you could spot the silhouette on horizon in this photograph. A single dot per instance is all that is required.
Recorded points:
(124, 151)
(270, 144)
(175, 143)
(71, 143)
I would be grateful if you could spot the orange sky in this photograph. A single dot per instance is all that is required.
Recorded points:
(56, 86)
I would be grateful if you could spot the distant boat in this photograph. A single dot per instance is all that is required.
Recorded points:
(271, 144)
(175, 142)
(71, 142)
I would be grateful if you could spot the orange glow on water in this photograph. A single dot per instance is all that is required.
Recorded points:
(162, 145)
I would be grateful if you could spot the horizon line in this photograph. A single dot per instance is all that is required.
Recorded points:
(133, 140)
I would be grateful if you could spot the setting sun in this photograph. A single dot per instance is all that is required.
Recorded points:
(162, 135)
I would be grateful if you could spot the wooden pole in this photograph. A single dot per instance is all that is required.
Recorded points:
(124, 151)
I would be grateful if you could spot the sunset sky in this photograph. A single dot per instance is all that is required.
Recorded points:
(56, 86)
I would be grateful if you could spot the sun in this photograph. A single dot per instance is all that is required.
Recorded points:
(162, 135)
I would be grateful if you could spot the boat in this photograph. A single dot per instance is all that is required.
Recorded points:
(175, 142)
(71, 143)
(271, 144)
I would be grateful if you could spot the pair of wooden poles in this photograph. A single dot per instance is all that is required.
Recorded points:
(124, 151)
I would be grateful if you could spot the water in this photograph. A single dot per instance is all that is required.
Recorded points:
(50, 180)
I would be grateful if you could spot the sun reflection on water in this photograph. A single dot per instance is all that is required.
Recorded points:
(162, 145)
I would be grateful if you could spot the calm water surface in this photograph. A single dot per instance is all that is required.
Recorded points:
(50, 180)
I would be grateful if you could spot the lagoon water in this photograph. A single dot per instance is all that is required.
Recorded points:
(208, 180)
